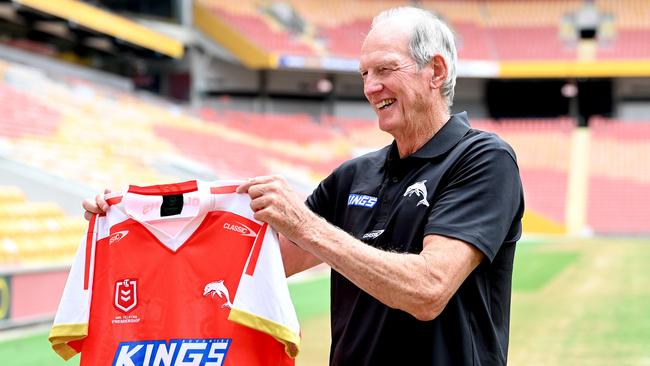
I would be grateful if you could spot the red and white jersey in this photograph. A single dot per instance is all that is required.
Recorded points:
(177, 274)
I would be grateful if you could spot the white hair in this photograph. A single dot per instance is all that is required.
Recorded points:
(429, 36)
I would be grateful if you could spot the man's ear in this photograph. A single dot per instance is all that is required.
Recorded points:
(439, 66)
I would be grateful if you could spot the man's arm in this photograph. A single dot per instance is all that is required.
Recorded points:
(420, 284)
(296, 259)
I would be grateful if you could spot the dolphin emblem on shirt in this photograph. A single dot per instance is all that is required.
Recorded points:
(419, 189)
(218, 288)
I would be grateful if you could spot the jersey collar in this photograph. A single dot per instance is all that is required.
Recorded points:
(448, 136)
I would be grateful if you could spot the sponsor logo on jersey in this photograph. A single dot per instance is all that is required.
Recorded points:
(176, 352)
(361, 200)
(126, 295)
(372, 234)
(117, 236)
(419, 189)
(218, 288)
(240, 229)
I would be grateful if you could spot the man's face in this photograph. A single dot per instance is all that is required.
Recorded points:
(399, 93)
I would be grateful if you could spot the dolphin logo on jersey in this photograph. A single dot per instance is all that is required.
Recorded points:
(419, 189)
(220, 289)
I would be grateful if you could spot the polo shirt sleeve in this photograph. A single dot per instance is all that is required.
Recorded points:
(323, 199)
(481, 200)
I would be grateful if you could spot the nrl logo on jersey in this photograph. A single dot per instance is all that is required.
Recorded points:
(419, 190)
(126, 295)
(176, 352)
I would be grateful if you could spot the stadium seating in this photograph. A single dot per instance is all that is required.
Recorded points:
(543, 148)
(511, 13)
(628, 14)
(62, 125)
(626, 44)
(514, 44)
(35, 233)
(21, 115)
(619, 183)
(486, 30)
(262, 30)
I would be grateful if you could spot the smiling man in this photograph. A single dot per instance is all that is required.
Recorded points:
(421, 234)
(422, 269)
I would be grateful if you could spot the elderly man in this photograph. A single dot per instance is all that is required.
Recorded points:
(421, 234)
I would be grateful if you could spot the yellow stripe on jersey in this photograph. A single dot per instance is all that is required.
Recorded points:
(283, 334)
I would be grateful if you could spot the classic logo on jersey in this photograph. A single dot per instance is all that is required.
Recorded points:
(372, 234)
(240, 229)
(361, 200)
(117, 236)
(419, 189)
(176, 352)
(126, 295)
(220, 289)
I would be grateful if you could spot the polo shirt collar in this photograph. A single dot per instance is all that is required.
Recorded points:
(448, 136)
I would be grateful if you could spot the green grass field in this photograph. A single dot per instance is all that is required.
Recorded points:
(575, 302)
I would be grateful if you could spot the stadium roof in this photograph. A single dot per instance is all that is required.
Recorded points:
(107, 23)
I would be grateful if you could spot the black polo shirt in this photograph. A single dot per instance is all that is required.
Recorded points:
(464, 184)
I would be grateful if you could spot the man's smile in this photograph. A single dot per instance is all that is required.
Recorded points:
(385, 103)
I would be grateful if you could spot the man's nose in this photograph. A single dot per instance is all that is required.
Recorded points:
(371, 86)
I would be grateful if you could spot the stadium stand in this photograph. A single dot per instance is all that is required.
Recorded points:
(626, 44)
(486, 30)
(619, 177)
(513, 43)
(35, 233)
(628, 14)
(61, 129)
(262, 30)
(143, 131)
(543, 147)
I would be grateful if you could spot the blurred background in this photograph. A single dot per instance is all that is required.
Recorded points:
(106, 93)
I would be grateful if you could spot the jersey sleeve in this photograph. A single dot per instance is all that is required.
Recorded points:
(482, 201)
(70, 325)
(263, 301)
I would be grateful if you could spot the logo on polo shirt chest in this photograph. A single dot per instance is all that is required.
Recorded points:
(418, 189)
(361, 200)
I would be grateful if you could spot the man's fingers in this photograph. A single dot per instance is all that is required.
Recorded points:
(244, 187)
(259, 203)
(101, 204)
(91, 206)
(88, 215)
(95, 206)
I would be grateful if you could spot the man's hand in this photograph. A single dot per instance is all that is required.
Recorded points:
(274, 202)
(96, 206)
